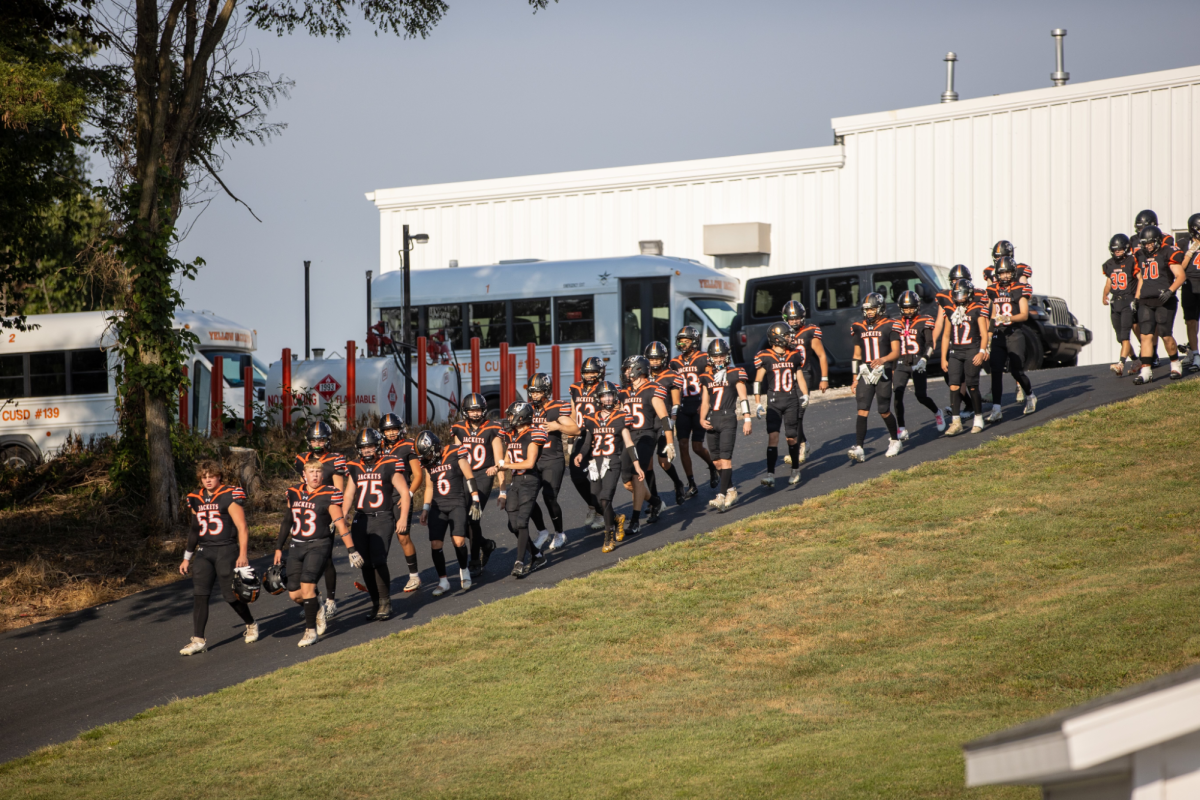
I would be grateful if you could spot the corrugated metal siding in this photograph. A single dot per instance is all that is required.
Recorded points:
(1055, 172)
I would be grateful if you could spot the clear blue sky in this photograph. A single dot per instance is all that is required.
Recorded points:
(497, 91)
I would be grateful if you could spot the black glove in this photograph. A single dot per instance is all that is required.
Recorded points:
(1164, 294)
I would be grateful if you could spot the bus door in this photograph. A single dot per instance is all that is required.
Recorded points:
(201, 390)
(645, 314)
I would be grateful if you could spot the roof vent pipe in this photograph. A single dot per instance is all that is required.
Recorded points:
(949, 96)
(1059, 77)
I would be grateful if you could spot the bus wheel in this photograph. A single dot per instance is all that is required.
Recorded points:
(16, 457)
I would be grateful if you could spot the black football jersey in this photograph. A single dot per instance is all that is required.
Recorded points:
(1155, 271)
(550, 411)
(447, 477)
(331, 464)
(517, 446)
(1123, 276)
(373, 489)
(689, 368)
(210, 514)
(946, 302)
(478, 443)
(310, 511)
(1006, 300)
(1191, 265)
(915, 335)
(873, 337)
(722, 387)
(403, 450)
(965, 335)
(780, 375)
(639, 407)
(602, 433)
(584, 397)
(802, 343)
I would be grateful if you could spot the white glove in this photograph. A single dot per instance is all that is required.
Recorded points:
(669, 451)
(476, 510)
(760, 411)
(919, 366)
(959, 316)
(878, 373)
(356, 560)
(804, 401)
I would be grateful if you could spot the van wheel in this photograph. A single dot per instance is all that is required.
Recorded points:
(16, 457)
(1035, 351)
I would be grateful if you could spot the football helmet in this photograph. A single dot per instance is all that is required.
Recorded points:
(393, 428)
(1006, 271)
(429, 446)
(963, 292)
(246, 586)
(1001, 249)
(657, 351)
(1151, 238)
(474, 407)
(873, 306)
(368, 439)
(690, 334)
(1119, 244)
(607, 395)
(1194, 225)
(794, 313)
(520, 414)
(959, 273)
(540, 383)
(718, 353)
(779, 335)
(592, 370)
(275, 581)
(636, 367)
(1144, 218)
(910, 304)
(318, 435)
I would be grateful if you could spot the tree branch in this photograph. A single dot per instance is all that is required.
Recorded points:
(237, 199)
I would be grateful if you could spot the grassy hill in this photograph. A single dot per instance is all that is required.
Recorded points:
(843, 648)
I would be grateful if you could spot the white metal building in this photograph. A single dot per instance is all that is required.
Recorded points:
(1056, 170)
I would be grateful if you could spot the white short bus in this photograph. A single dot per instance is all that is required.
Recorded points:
(58, 379)
(608, 307)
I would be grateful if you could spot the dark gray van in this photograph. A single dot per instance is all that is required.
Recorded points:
(833, 298)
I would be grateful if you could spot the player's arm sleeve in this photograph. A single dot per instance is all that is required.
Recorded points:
(193, 531)
(583, 441)
(285, 527)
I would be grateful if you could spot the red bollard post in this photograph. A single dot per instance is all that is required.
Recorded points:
(248, 385)
(579, 365)
(351, 388)
(183, 403)
(286, 388)
(504, 401)
(218, 397)
(554, 368)
(422, 412)
(530, 361)
(512, 377)
(475, 377)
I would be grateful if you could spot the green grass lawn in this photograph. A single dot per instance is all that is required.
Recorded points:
(843, 648)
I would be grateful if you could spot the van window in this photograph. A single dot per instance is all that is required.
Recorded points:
(692, 318)
(89, 372)
(444, 323)
(12, 377)
(893, 283)
(531, 321)
(769, 297)
(47, 374)
(575, 320)
(488, 322)
(838, 291)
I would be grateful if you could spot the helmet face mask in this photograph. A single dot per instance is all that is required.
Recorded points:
(246, 584)
(318, 435)
(1151, 238)
(475, 408)
(963, 293)
(368, 444)
(635, 368)
(779, 336)
(658, 355)
(539, 388)
(607, 396)
(1119, 245)
(520, 415)
(910, 304)
(429, 447)
(1006, 271)
(794, 314)
(718, 354)
(688, 339)
(873, 306)
(592, 371)
(393, 428)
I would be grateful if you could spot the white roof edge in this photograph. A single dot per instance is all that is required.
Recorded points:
(1136, 724)
(613, 178)
(1049, 95)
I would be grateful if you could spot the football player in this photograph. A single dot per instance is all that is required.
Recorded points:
(876, 349)
(1189, 244)
(216, 545)
(915, 331)
(1005, 249)
(1009, 308)
(314, 509)
(605, 439)
(1160, 273)
(778, 371)
(964, 350)
(723, 399)
(945, 304)
(377, 500)
(523, 442)
(446, 506)
(400, 446)
(583, 403)
(806, 339)
(659, 356)
(555, 419)
(689, 365)
(333, 473)
(1120, 284)
(646, 414)
(485, 449)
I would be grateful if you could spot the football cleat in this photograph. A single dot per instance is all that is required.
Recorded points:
(620, 536)
(996, 415)
(442, 587)
(385, 609)
(894, 446)
(589, 517)
(251, 634)
(330, 608)
(322, 624)
(634, 528)
(656, 503)
(795, 477)
(609, 543)
(489, 547)
(193, 647)
(372, 614)
(787, 459)
(558, 542)
(540, 541)
(519, 570)
(769, 480)
(955, 427)
(464, 577)
(939, 419)
(717, 502)
(680, 494)
(1144, 377)
(730, 499)
(856, 454)
(1195, 365)
(1118, 369)
(714, 480)
(309, 638)
(692, 491)
(902, 434)
(1176, 370)
(414, 582)
(803, 454)
(538, 561)
(598, 522)
(475, 566)
(1020, 394)
(1030, 403)
(977, 427)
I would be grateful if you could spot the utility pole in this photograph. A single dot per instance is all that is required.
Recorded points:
(307, 264)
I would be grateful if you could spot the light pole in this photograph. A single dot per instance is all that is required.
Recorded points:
(420, 238)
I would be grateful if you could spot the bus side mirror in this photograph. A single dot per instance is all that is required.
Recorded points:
(922, 292)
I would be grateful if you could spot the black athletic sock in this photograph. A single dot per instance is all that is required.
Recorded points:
(412, 564)
(370, 581)
(976, 400)
(673, 475)
(1026, 385)
(523, 542)
(310, 612)
(772, 459)
(652, 484)
(1174, 357)
(691, 479)
(461, 552)
(383, 580)
(899, 411)
(330, 578)
(1147, 360)
(860, 430)
(890, 421)
(610, 519)
(726, 479)
(955, 403)
(794, 452)
(633, 518)
(199, 615)
(439, 562)
(242, 610)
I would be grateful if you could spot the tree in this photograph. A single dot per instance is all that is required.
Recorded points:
(185, 97)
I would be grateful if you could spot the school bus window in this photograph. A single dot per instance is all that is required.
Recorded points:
(12, 377)
(531, 321)
(444, 323)
(47, 374)
(488, 321)
(89, 372)
(574, 318)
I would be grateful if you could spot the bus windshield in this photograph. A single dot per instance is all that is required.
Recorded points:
(719, 312)
(232, 366)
